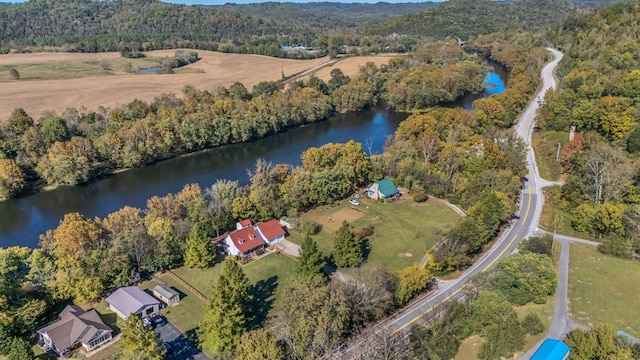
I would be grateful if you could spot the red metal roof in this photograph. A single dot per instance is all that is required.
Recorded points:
(244, 223)
(246, 239)
(271, 229)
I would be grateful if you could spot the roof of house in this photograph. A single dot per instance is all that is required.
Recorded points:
(246, 239)
(387, 188)
(270, 229)
(245, 223)
(165, 291)
(75, 325)
(129, 300)
(551, 349)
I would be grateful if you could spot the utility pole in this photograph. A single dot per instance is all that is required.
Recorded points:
(558, 152)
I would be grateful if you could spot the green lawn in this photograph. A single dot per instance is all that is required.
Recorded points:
(545, 145)
(604, 289)
(404, 230)
(268, 275)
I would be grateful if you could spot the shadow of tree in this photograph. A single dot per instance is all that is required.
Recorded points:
(263, 297)
(366, 249)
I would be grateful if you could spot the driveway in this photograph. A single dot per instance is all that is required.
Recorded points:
(183, 347)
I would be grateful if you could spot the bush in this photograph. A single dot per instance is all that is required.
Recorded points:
(538, 245)
(310, 228)
(532, 324)
(365, 232)
(15, 75)
(419, 193)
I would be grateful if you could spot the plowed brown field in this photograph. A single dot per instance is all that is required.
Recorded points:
(218, 69)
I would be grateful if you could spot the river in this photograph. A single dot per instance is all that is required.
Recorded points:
(22, 220)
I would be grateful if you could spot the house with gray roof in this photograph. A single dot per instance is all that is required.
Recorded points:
(166, 294)
(76, 328)
(132, 300)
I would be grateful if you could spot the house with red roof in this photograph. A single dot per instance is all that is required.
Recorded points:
(249, 240)
(270, 231)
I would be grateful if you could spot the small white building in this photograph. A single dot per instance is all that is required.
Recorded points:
(132, 300)
(166, 294)
(270, 231)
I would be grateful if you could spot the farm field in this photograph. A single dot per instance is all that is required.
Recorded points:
(349, 66)
(404, 230)
(604, 289)
(86, 86)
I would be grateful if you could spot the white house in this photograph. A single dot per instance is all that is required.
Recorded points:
(244, 242)
(270, 231)
(131, 300)
(75, 328)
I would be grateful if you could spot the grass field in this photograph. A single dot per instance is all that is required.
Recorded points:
(545, 144)
(604, 289)
(404, 230)
(267, 275)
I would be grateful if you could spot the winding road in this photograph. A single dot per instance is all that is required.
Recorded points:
(526, 225)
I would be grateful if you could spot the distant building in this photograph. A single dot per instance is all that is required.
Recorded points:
(132, 300)
(552, 349)
(75, 328)
(166, 294)
(384, 189)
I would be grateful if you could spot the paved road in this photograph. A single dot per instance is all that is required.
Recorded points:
(183, 347)
(527, 222)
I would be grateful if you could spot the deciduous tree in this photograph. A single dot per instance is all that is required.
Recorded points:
(139, 341)
(259, 345)
(412, 281)
(11, 179)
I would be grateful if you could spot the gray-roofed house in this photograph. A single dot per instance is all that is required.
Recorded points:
(166, 294)
(131, 300)
(75, 328)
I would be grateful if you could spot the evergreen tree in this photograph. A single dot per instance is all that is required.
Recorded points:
(347, 251)
(310, 261)
(225, 320)
(198, 252)
(139, 341)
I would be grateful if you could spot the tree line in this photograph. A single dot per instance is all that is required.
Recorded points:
(76, 147)
(598, 95)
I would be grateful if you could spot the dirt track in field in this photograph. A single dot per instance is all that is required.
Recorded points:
(115, 90)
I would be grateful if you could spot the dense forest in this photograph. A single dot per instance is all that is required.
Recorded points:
(599, 95)
(468, 18)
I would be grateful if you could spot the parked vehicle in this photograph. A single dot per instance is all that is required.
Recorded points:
(354, 202)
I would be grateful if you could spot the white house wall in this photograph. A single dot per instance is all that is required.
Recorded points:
(233, 251)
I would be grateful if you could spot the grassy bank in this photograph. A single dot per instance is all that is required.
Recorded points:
(555, 218)
(604, 289)
(404, 229)
(545, 145)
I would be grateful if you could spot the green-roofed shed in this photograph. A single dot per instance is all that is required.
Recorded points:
(383, 189)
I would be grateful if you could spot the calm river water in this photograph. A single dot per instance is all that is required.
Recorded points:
(22, 220)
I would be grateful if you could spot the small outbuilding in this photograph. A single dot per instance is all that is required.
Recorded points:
(384, 189)
(552, 349)
(167, 295)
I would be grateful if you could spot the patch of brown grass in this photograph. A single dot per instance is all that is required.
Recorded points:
(349, 66)
(213, 70)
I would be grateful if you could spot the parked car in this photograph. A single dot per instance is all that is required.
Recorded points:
(354, 202)
(356, 195)
(167, 347)
(159, 320)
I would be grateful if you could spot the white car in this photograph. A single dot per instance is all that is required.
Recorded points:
(354, 202)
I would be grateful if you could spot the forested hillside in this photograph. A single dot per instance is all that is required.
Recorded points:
(466, 18)
(328, 15)
(91, 26)
(599, 95)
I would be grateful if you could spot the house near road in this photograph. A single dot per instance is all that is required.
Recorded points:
(551, 349)
(132, 300)
(166, 294)
(76, 328)
(249, 240)
(384, 189)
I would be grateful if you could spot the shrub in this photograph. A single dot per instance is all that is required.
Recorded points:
(365, 232)
(308, 227)
(419, 193)
(15, 75)
(532, 324)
